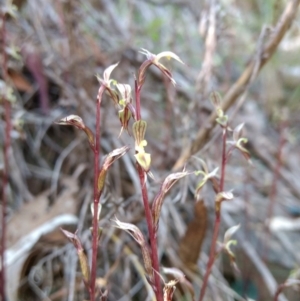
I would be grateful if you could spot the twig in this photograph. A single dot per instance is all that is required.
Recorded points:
(240, 85)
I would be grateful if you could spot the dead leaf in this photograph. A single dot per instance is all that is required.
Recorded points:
(20, 81)
(34, 63)
(37, 212)
(191, 242)
(32, 222)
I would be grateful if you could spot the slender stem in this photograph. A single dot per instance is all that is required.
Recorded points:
(152, 235)
(94, 253)
(279, 291)
(224, 159)
(148, 215)
(137, 100)
(7, 144)
(97, 194)
(212, 254)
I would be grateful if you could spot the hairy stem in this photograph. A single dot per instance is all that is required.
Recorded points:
(212, 254)
(97, 194)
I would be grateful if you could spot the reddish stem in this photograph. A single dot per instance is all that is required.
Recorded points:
(148, 215)
(152, 235)
(279, 291)
(137, 100)
(224, 159)
(212, 254)
(7, 144)
(97, 194)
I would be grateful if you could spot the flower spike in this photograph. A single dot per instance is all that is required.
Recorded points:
(153, 59)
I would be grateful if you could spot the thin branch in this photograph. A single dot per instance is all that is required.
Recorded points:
(205, 74)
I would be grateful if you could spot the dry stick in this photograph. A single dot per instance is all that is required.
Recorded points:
(210, 48)
(240, 85)
(217, 223)
(95, 234)
(243, 96)
(148, 215)
(7, 144)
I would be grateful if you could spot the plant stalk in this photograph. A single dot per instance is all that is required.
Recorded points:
(217, 223)
(97, 194)
(148, 215)
(152, 235)
(279, 291)
(138, 101)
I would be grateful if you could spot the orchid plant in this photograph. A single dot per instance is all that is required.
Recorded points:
(121, 95)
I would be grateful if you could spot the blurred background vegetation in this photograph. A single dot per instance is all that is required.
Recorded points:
(55, 49)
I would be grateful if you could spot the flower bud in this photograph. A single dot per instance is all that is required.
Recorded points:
(84, 266)
(114, 156)
(165, 187)
(139, 130)
(124, 116)
(147, 262)
(136, 233)
(81, 254)
(101, 179)
(77, 121)
(169, 290)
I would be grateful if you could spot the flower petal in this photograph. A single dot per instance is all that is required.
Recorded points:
(168, 55)
(108, 71)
